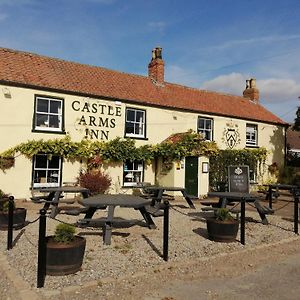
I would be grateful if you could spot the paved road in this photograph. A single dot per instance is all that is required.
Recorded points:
(281, 280)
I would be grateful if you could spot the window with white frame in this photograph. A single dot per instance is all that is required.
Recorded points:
(135, 123)
(48, 114)
(46, 170)
(133, 173)
(251, 135)
(205, 126)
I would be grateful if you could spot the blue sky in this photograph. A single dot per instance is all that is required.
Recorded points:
(212, 44)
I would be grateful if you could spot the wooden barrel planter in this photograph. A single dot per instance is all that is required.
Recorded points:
(19, 217)
(64, 258)
(222, 231)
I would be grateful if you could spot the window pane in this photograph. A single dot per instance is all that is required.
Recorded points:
(54, 121)
(54, 162)
(208, 124)
(41, 161)
(42, 120)
(130, 115)
(129, 128)
(55, 107)
(139, 116)
(40, 176)
(201, 123)
(52, 176)
(42, 105)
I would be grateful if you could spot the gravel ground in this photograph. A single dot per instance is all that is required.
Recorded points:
(135, 249)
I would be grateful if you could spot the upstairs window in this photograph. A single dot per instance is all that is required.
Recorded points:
(46, 170)
(135, 123)
(48, 114)
(251, 135)
(205, 126)
(133, 173)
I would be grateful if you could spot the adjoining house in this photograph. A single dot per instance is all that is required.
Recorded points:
(48, 98)
(293, 147)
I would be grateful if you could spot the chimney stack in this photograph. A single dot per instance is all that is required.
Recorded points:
(251, 92)
(156, 66)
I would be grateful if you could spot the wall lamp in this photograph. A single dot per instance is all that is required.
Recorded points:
(6, 92)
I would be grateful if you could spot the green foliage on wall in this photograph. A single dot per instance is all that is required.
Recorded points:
(116, 150)
(219, 163)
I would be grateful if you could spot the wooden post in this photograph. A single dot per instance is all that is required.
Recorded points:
(166, 231)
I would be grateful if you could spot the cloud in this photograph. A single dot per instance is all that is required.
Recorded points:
(233, 83)
(278, 90)
(3, 17)
(273, 90)
(256, 40)
(157, 26)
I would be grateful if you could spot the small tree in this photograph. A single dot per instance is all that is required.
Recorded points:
(296, 125)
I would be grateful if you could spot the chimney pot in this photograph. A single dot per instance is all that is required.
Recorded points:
(251, 92)
(156, 66)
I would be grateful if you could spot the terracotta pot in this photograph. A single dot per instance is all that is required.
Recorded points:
(19, 218)
(222, 231)
(64, 258)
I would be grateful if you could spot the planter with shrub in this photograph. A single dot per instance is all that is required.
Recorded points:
(222, 227)
(19, 214)
(64, 251)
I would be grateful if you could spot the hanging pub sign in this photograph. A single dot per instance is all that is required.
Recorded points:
(238, 179)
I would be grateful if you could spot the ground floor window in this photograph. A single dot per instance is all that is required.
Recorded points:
(133, 173)
(46, 170)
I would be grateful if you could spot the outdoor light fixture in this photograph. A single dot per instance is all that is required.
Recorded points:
(6, 92)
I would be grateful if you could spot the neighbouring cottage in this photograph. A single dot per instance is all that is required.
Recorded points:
(43, 98)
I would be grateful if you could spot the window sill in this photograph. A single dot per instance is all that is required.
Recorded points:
(48, 131)
(136, 138)
(252, 146)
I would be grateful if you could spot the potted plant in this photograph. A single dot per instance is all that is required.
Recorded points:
(222, 227)
(64, 251)
(19, 214)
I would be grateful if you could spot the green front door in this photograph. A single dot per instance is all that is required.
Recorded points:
(191, 175)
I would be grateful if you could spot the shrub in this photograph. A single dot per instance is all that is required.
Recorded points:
(64, 233)
(223, 214)
(95, 180)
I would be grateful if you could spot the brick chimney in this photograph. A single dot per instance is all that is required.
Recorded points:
(251, 92)
(156, 68)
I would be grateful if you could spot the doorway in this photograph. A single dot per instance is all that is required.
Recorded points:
(191, 175)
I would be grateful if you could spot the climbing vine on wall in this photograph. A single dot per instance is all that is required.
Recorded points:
(254, 158)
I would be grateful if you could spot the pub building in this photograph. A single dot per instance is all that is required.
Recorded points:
(48, 98)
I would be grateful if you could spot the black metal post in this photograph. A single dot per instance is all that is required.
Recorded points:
(270, 195)
(296, 211)
(243, 207)
(166, 230)
(10, 222)
(41, 272)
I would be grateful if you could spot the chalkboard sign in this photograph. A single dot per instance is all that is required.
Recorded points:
(238, 179)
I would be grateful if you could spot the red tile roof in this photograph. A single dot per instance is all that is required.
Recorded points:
(27, 69)
(293, 139)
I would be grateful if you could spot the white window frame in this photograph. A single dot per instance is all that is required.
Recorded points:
(50, 172)
(206, 131)
(132, 176)
(251, 135)
(46, 126)
(141, 123)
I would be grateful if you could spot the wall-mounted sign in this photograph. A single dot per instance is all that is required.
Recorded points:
(96, 118)
(231, 135)
(238, 179)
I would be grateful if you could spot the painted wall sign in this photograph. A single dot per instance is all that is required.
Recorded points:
(96, 119)
(231, 135)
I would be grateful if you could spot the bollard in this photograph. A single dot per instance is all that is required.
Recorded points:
(10, 222)
(296, 211)
(166, 231)
(243, 221)
(41, 271)
(270, 196)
